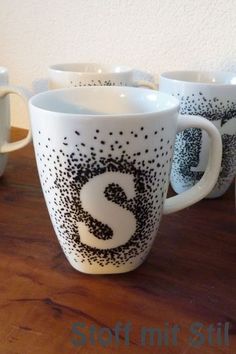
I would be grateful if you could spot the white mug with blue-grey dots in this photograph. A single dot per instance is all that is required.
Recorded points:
(213, 96)
(104, 157)
(93, 74)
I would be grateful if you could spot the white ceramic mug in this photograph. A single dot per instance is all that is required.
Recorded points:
(213, 96)
(5, 124)
(104, 157)
(93, 74)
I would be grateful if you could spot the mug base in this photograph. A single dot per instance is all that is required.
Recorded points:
(3, 162)
(217, 191)
(107, 269)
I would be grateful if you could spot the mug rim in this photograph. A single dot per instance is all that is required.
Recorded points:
(58, 68)
(174, 102)
(172, 76)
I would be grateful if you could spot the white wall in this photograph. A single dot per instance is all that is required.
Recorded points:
(154, 35)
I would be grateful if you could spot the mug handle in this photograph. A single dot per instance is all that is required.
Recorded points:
(144, 83)
(209, 178)
(8, 147)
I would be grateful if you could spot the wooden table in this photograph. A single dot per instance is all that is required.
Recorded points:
(189, 277)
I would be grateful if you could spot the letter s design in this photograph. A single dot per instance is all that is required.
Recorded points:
(120, 220)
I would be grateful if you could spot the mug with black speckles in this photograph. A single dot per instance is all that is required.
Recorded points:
(5, 124)
(211, 95)
(67, 75)
(104, 157)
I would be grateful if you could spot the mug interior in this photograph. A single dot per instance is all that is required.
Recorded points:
(102, 100)
(89, 68)
(202, 77)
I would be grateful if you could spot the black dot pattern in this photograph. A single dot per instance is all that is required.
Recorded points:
(64, 170)
(188, 143)
(78, 83)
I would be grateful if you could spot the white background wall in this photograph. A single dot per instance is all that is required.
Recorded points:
(153, 35)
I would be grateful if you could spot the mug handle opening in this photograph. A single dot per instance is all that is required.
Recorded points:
(146, 84)
(210, 176)
(8, 147)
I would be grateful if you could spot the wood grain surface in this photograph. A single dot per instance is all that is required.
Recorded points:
(189, 277)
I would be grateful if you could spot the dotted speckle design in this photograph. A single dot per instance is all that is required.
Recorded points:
(65, 171)
(97, 83)
(188, 143)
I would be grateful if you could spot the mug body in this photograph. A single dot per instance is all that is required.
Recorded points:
(4, 119)
(104, 156)
(88, 74)
(213, 96)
